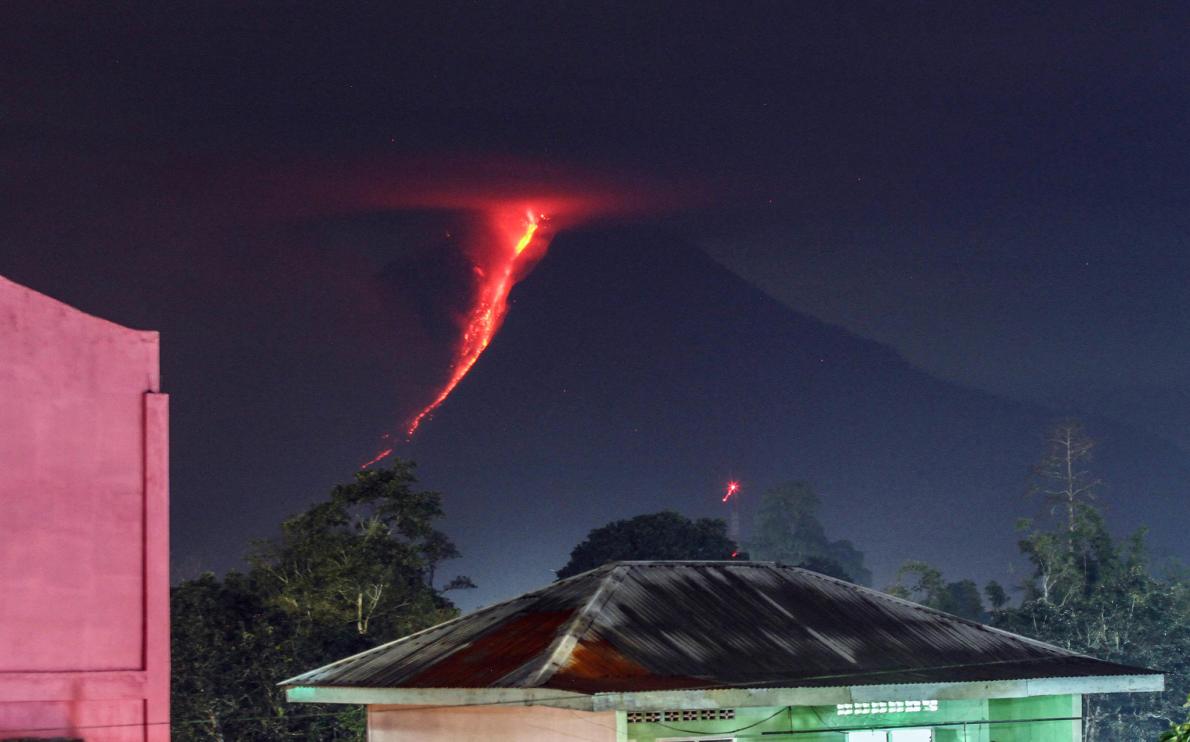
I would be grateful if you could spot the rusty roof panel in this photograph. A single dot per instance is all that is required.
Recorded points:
(494, 654)
(634, 626)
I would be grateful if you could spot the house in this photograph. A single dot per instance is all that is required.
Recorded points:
(652, 651)
(84, 508)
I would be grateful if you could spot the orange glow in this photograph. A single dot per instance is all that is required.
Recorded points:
(487, 312)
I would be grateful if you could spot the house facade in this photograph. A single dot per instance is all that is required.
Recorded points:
(84, 526)
(677, 651)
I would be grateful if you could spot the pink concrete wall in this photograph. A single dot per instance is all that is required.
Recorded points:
(84, 525)
(488, 724)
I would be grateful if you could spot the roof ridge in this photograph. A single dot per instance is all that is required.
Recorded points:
(578, 625)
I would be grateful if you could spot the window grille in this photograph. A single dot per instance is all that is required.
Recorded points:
(682, 715)
(644, 717)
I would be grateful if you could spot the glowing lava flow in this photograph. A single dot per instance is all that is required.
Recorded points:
(484, 319)
(732, 488)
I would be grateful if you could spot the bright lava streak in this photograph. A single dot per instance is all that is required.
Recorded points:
(484, 319)
(732, 488)
(526, 238)
(382, 455)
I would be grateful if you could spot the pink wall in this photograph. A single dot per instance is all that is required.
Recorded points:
(488, 724)
(84, 525)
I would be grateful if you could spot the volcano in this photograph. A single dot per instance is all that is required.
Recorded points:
(635, 374)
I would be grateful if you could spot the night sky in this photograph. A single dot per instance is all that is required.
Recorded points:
(876, 246)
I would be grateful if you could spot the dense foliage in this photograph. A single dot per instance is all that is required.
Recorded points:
(1096, 594)
(344, 575)
(664, 535)
(1177, 732)
(787, 529)
(1087, 591)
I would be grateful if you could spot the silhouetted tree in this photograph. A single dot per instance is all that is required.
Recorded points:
(664, 535)
(997, 597)
(922, 583)
(786, 529)
(825, 567)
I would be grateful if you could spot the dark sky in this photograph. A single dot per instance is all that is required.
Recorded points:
(998, 192)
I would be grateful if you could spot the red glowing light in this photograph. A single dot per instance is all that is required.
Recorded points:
(732, 488)
(735, 553)
(507, 199)
(486, 315)
(382, 455)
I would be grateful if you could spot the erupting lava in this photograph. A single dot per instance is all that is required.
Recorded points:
(500, 202)
(733, 525)
(732, 488)
(507, 200)
(486, 315)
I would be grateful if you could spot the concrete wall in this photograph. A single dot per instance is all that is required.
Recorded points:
(953, 721)
(84, 526)
(488, 724)
(1038, 719)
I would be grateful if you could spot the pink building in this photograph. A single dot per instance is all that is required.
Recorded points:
(84, 526)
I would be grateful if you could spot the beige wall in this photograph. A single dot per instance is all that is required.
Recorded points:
(488, 724)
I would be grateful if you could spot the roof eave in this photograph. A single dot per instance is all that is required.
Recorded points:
(728, 697)
(829, 696)
(441, 696)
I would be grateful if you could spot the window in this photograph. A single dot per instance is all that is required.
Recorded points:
(885, 707)
(892, 735)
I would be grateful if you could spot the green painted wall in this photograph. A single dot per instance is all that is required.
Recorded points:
(1039, 707)
(814, 722)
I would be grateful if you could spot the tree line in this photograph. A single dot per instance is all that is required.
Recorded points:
(361, 568)
(348, 573)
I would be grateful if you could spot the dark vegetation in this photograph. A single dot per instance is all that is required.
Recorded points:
(360, 569)
(665, 535)
(351, 572)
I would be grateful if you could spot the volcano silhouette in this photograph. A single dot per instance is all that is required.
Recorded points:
(635, 374)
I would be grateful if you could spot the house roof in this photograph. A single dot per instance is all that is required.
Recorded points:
(629, 627)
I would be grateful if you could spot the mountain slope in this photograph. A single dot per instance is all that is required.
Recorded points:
(635, 374)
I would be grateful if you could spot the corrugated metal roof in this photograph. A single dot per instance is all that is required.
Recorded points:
(638, 626)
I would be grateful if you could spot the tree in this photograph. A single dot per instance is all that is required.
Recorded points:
(1177, 732)
(343, 576)
(922, 583)
(1062, 476)
(362, 563)
(996, 595)
(228, 650)
(826, 567)
(1118, 611)
(1098, 595)
(664, 535)
(786, 529)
